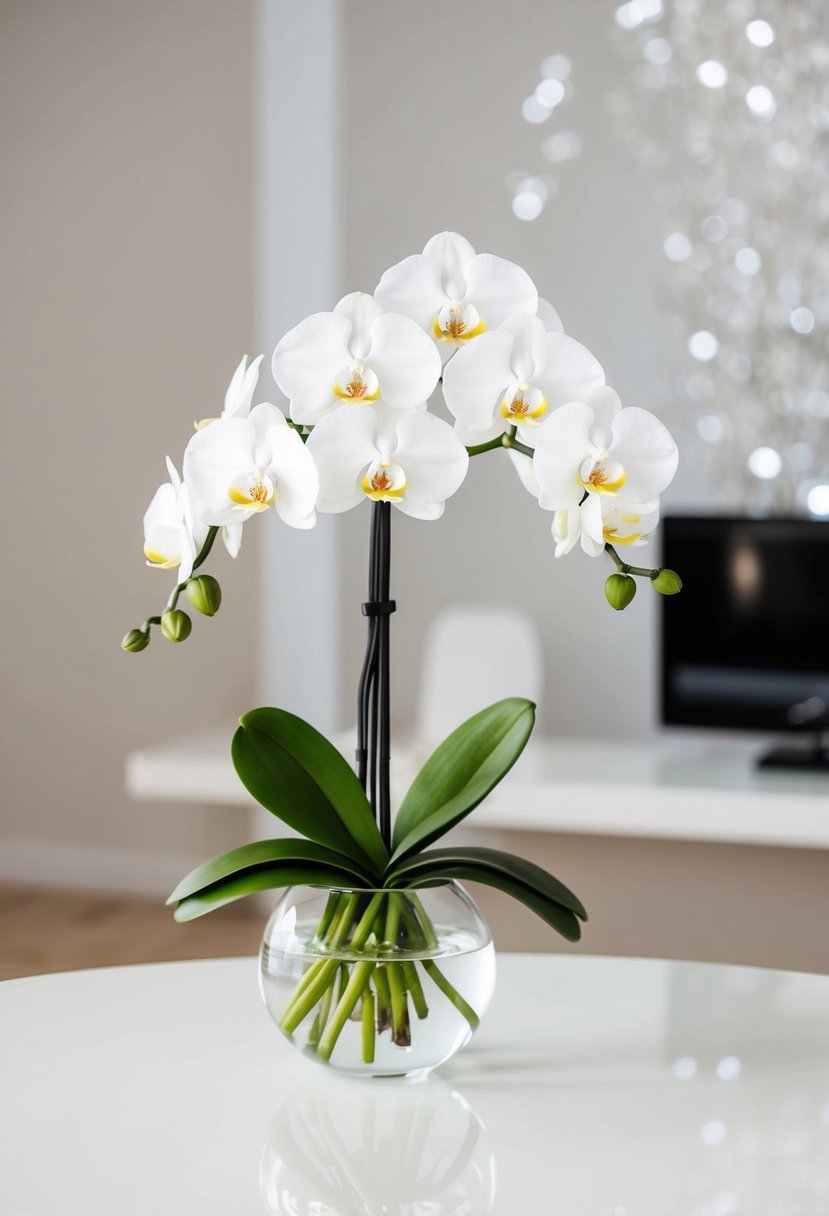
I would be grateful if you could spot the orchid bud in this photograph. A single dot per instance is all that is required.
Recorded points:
(205, 594)
(176, 625)
(666, 582)
(619, 590)
(136, 640)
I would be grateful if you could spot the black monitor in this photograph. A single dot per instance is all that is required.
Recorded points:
(746, 642)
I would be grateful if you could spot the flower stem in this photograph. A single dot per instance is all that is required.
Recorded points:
(431, 968)
(360, 976)
(368, 1026)
(507, 440)
(415, 987)
(641, 571)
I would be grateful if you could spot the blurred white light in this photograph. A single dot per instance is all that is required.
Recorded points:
(802, 320)
(677, 247)
(527, 205)
(564, 145)
(658, 50)
(818, 503)
(765, 463)
(709, 428)
(713, 1132)
(760, 33)
(712, 74)
(817, 403)
(800, 456)
(729, 1068)
(635, 12)
(760, 101)
(784, 154)
(550, 92)
(556, 67)
(703, 345)
(713, 228)
(534, 111)
(748, 260)
(685, 1068)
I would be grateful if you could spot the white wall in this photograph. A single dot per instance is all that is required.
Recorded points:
(430, 128)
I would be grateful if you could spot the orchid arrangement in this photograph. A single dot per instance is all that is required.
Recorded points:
(358, 381)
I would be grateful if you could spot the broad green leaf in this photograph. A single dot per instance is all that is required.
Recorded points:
(263, 878)
(261, 852)
(293, 771)
(521, 879)
(461, 772)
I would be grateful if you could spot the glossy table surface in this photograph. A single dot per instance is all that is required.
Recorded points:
(608, 1087)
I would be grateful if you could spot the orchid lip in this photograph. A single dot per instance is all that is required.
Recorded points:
(384, 481)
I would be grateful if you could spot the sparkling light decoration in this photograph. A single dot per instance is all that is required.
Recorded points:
(531, 193)
(728, 104)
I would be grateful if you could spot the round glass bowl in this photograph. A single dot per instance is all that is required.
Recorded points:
(377, 983)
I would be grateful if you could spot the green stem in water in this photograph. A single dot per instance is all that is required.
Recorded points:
(315, 1033)
(368, 1026)
(399, 1005)
(360, 976)
(392, 920)
(381, 984)
(415, 988)
(431, 968)
(299, 1009)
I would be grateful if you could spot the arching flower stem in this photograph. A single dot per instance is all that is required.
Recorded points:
(507, 440)
(624, 568)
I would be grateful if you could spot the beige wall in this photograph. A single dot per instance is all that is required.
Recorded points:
(125, 224)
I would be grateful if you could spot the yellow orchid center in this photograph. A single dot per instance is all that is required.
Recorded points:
(616, 531)
(456, 323)
(159, 560)
(602, 475)
(523, 405)
(384, 481)
(252, 492)
(357, 383)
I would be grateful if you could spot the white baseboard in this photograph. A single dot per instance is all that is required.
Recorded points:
(90, 867)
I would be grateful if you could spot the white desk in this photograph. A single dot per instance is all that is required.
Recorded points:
(595, 1087)
(671, 790)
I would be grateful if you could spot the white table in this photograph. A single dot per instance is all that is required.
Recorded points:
(673, 789)
(595, 1087)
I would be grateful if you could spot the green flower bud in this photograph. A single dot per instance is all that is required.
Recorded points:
(176, 625)
(666, 582)
(136, 640)
(205, 594)
(619, 590)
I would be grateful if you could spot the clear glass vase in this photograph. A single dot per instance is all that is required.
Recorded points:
(377, 983)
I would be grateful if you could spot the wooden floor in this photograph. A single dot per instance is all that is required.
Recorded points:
(44, 931)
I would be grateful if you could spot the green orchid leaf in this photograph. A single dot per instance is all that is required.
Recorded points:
(293, 771)
(461, 772)
(260, 853)
(521, 879)
(261, 878)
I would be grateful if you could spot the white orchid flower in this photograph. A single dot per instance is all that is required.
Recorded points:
(454, 293)
(172, 534)
(514, 376)
(599, 449)
(602, 520)
(239, 393)
(240, 467)
(412, 460)
(359, 353)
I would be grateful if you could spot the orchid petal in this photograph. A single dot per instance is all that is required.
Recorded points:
(241, 389)
(362, 310)
(523, 466)
(562, 443)
(451, 253)
(645, 449)
(474, 382)
(592, 525)
(343, 445)
(498, 288)
(526, 330)
(605, 404)
(566, 530)
(414, 288)
(434, 461)
(213, 457)
(405, 360)
(549, 317)
(307, 361)
(564, 369)
(232, 537)
(292, 467)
